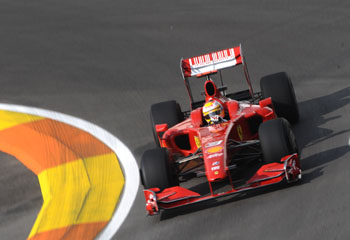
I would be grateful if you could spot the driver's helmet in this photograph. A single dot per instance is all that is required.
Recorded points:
(213, 112)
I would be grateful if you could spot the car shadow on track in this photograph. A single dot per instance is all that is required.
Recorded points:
(313, 115)
(316, 162)
(310, 131)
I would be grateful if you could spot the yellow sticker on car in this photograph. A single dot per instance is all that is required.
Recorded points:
(240, 132)
(198, 142)
(214, 149)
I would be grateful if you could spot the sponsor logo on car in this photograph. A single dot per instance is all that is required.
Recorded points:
(215, 57)
(215, 149)
(212, 144)
(215, 168)
(215, 155)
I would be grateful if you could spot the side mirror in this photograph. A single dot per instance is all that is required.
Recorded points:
(197, 118)
(161, 127)
(266, 102)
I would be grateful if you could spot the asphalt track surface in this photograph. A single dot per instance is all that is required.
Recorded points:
(108, 61)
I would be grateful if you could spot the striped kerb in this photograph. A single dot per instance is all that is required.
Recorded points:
(80, 177)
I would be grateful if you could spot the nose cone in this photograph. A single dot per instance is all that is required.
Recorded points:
(214, 161)
(214, 150)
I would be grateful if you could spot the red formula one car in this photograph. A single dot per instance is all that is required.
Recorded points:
(240, 140)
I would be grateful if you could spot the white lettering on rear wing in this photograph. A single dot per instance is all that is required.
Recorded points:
(212, 61)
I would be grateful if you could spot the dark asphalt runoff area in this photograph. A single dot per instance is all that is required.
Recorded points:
(108, 61)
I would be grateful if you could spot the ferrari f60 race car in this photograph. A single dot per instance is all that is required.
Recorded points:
(251, 145)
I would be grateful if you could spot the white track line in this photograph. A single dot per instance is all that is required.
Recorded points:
(127, 160)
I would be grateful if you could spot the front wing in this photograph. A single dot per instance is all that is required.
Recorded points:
(268, 174)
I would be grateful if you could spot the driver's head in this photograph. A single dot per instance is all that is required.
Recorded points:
(213, 112)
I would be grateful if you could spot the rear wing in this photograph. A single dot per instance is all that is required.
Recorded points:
(210, 63)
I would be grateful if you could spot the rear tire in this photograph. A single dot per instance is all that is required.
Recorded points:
(279, 87)
(276, 140)
(165, 112)
(156, 171)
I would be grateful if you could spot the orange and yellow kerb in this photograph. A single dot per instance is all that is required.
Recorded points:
(80, 177)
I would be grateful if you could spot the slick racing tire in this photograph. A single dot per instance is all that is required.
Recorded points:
(276, 140)
(156, 171)
(165, 112)
(279, 87)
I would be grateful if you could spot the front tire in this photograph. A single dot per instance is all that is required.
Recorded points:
(156, 171)
(276, 140)
(279, 87)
